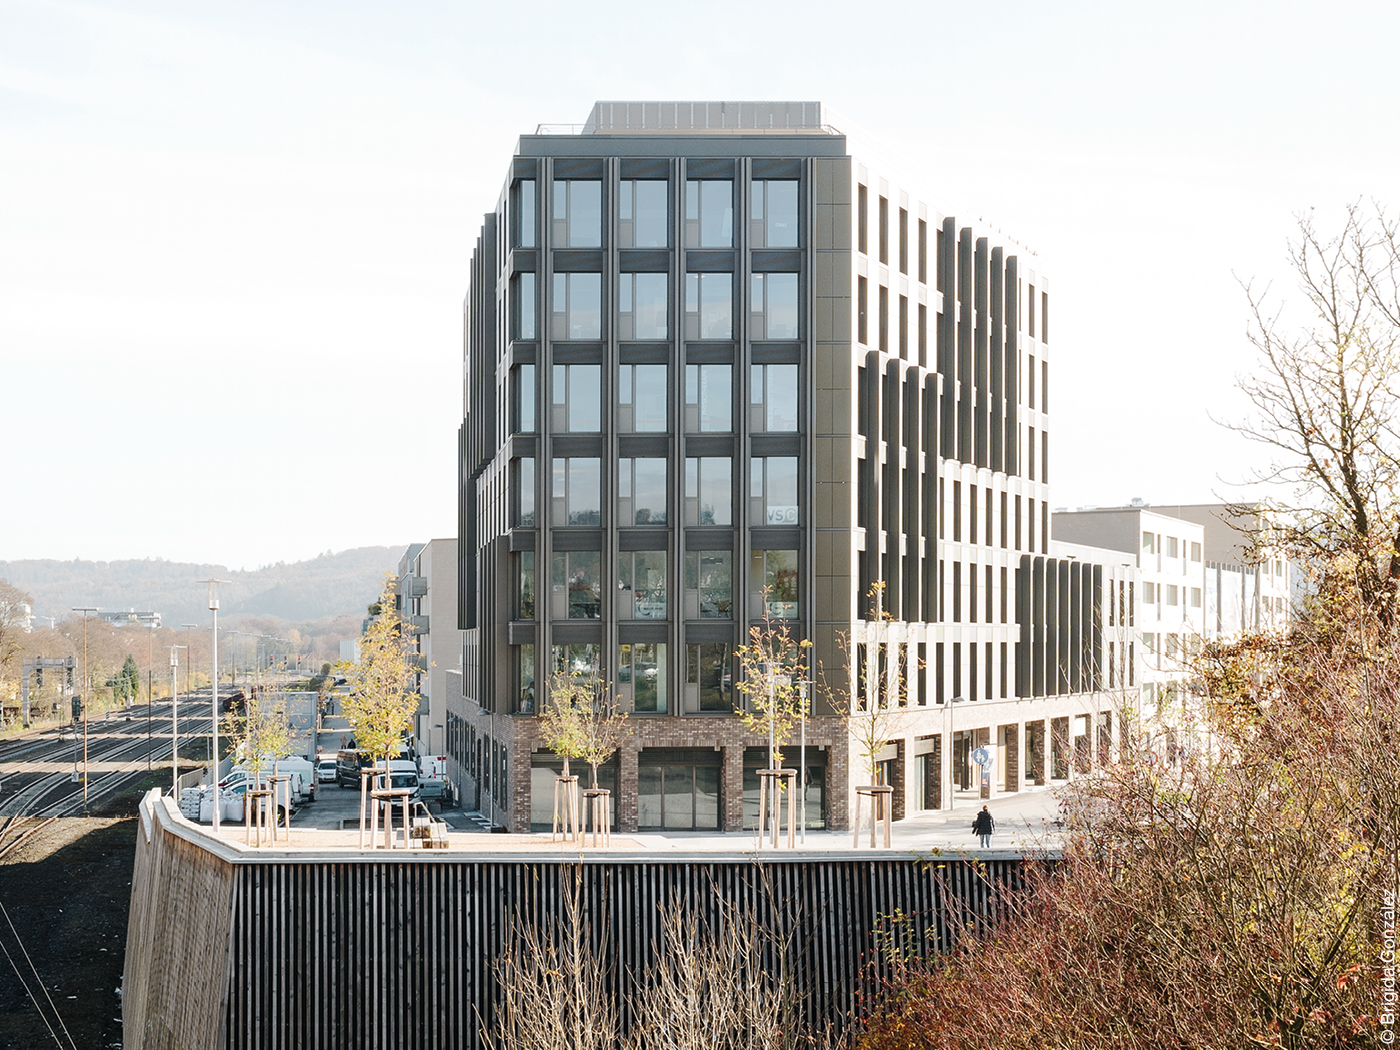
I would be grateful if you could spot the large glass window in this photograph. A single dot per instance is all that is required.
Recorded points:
(577, 586)
(641, 585)
(524, 398)
(578, 306)
(773, 398)
(773, 576)
(773, 304)
(524, 306)
(709, 496)
(641, 305)
(525, 680)
(641, 398)
(578, 213)
(709, 585)
(525, 585)
(641, 491)
(577, 492)
(642, 675)
(524, 200)
(709, 306)
(578, 399)
(641, 206)
(773, 491)
(709, 398)
(709, 678)
(525, 493)
(709, 213)
(773, 212)
(578, 659)
(677, 796)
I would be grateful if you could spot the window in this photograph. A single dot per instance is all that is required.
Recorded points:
(709, 213)
(972, 514)
(709, 398)
(1030, 452)
(523, 398)
(641, 676)
(1030, 312)
(524, 211)
(709, 305)
(577, 592)
(709, 677)
(862, 221)
(903, 240)
(577, 492)
(957, 511)
(709, 497)
(1195, 552)
(1149, 543)
(773, 577)
(773, 305)
(1149, 593)
(773, 213)
(923, 334)
(641, 306)
(578, 214)
(1173, 597)
(1044, 385)
(641, 213)
(1045, 317)
(904, 327)
(641, 491)
(578, 659)
(862, 294)
(1172, 551)
(525, 493)
(578, 399)
(1030, 382)
(923, 251)
(884, 319)
(578, 306)
(1195, 597)
(525, 585)
(641, 398)
(773, 490)
(773, 398)
(525, 680)
(524, 306)
(709, 587)
(1044, 456)
(884, 231)
(641, 585)
(990, 494)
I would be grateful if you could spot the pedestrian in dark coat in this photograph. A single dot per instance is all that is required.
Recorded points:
(982, 827)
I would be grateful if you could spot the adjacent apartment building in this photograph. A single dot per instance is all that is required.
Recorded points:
(715, 368)
(426, 592)
(1204, 576)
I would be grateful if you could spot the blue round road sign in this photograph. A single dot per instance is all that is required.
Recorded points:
(980, 756)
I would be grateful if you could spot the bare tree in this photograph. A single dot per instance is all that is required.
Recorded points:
(1325, 400)
(14, 620)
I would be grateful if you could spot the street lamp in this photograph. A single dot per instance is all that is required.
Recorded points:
(214, 690)
(85, 609)
(189, 662)
(174, 721)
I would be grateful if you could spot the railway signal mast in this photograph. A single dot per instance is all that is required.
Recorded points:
(175, 723)
(82, 699)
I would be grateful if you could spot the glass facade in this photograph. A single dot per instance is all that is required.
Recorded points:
(641, 585)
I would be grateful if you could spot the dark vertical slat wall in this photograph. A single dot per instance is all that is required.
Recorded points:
(401, 954)
(391, 954)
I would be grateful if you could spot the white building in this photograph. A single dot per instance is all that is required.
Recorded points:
(426, 588)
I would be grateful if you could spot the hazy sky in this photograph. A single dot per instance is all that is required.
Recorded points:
(234, 236)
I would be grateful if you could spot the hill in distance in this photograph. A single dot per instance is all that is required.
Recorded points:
(333, 584)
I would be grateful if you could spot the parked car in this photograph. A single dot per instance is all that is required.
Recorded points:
(325, 770)
(349, 762)
(432, 777)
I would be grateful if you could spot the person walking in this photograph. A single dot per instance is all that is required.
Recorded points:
(983, 826)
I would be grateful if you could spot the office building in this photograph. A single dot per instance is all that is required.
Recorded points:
(717, 368)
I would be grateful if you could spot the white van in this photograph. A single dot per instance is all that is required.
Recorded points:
(432, 777)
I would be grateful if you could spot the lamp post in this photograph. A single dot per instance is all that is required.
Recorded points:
(189, 660)
(85, 609)
(802, 760)
(174, 720)
(214, 689)
(150, 692)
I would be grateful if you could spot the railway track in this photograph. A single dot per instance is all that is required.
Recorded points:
(37, 780)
